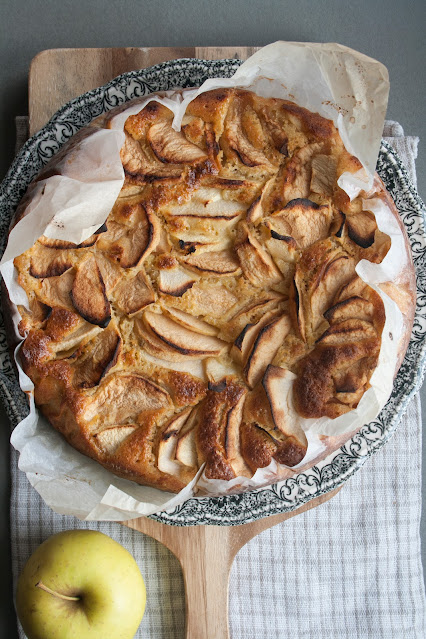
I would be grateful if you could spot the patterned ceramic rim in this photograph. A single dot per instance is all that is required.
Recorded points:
(342, 464)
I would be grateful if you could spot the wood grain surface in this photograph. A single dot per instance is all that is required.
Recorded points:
(59, 75)
(206, 553)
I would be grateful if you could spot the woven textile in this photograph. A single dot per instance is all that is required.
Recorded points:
(350, 569)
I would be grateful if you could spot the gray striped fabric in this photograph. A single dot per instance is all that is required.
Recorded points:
(350, 569)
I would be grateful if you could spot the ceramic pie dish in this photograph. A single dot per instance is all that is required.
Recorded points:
(134, 87)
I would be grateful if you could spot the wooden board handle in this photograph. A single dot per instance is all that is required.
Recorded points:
(206, 576)
(206, 554)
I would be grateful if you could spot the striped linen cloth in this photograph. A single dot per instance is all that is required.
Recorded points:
(350, 569)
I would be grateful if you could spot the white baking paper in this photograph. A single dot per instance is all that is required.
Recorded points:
(338, 83)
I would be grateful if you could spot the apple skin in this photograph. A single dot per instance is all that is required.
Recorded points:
(86, 564)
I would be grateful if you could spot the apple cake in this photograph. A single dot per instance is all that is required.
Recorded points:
(219, 301)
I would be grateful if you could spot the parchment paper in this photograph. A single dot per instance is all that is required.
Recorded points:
(338, 83)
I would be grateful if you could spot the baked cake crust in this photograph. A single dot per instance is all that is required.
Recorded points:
(224, 273)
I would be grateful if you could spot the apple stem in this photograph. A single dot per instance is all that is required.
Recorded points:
(41, 585)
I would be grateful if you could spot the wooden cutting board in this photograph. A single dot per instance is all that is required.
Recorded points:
(206, 553)
(59, 75)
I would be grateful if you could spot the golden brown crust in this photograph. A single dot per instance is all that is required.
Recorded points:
(170, 337)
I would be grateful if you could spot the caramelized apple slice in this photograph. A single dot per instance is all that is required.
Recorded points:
(245, 340)
(361, 229)
(303, 220)
(111, 438)
(284, 252)
(189, 321)
(350, 382)
(96, 358)
(257, 265)
(110, 271)
(186, 449)
(218, 369)
(348, 330)
(194, 129)
(265, 348)
(202, 230)
(131, 240)
(257, 209)
(181, 339)
(164, 244)
(56, 291)
(91, 241)
(297, 174)
(239, 189)
(329, 279)
(257, 307)
(251, 313)
(32, 317)
(66, 330)
(56, 244)
(88, 293)
(188, 247)
(262, 440)
(232, 439)
(56, 267)
(352, 307)
(174, 281)
(219, 263)
(207, 299)
(207, 202)
(137, 125)
(324, 174)
(354, 287)
(133, 293)
(166, 460)
(187, 365)
(64, 244)
(157, 348)
(200, 233)
(123, 397)
(47, 262)
(319, 275)
(246, 152)
(171, 146)
(141, 165)
(337, 226)
(278, 385)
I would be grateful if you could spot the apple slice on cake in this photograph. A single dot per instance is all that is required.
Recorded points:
(176, 338)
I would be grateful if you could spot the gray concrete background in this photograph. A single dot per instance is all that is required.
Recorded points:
(390, 31)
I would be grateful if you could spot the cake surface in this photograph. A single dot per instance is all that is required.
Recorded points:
(222, 284)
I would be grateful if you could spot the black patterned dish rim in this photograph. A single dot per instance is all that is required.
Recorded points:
(291, 493)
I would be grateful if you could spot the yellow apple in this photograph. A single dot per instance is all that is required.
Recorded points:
(80, 584)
